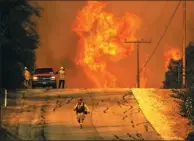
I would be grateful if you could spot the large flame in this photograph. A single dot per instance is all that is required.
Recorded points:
(173, 53)
(102, 37)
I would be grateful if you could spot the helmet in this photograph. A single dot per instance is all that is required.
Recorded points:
(61, 68)
(81, 99)
(25, 68)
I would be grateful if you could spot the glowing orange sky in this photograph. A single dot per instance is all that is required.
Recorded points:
(58, 42)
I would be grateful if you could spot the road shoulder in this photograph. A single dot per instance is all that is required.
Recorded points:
(162, 111)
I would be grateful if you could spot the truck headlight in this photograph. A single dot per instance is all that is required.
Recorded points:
(35, 78)
(53, 78)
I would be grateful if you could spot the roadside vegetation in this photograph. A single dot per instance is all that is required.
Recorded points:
(173, 80)
(188, 109)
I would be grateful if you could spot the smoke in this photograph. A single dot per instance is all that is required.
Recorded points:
(190, 22)
(58, 43)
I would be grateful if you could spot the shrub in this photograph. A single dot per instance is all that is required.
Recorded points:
(187, 106)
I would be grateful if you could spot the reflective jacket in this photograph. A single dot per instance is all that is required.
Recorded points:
(27, 75)
(81, 108)
(61, 74)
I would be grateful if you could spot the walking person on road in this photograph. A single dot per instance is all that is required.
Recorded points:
(61, 78)
(81, 110)
(27, 77)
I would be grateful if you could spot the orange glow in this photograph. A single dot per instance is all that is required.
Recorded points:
(102, 37)
(143, 78)
(173, 53)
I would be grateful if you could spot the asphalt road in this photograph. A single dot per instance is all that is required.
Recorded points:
(49, 115)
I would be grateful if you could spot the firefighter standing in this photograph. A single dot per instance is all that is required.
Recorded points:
(27, 77)
(61, 77)
(81, 110)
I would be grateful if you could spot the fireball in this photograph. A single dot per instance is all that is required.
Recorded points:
(102, 35)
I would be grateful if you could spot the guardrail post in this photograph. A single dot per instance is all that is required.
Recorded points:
(5, 100)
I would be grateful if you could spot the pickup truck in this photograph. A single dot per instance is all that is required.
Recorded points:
(44, 77)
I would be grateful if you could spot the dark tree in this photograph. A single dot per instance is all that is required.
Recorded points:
(173, 77)
(190, 65)
(19, 40)
(190, 136)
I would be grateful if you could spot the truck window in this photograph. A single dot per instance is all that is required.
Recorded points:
(44, 70)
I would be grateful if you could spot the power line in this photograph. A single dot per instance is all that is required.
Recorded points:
(161, 37)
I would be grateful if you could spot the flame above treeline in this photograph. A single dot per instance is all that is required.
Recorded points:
(172, 53)
(102, 37)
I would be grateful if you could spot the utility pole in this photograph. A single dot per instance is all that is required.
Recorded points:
(184, 43)
(138, 42)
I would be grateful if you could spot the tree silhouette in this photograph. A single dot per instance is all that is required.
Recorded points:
(19, 40)
(173, 77)
(190, 65)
